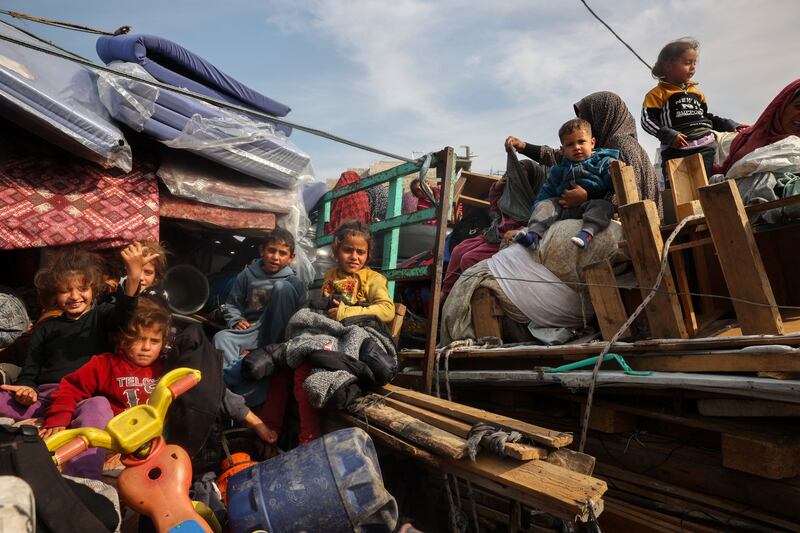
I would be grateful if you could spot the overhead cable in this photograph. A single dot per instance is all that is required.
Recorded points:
(616, 35)
(207, 99)
(64, 25)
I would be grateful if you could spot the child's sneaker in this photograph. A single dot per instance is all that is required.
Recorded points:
(529, 239)
(582, 239)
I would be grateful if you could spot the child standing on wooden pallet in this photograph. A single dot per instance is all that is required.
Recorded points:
(676, 111)
(351, 289)
(577, 187)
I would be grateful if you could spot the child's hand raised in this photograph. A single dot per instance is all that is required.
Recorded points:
(135, 259)
(23, 394)
(44, 433)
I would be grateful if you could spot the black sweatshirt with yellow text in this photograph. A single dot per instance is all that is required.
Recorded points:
(670, 109)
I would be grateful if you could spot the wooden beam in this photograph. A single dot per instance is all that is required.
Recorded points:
(735, 407)
(640, 223)
(485, 314)
(623, 178)
(745, 361)
(608, 420)
(554, 439)
(606, 299)
(730, 339)
(428, 436)
(557, 491)
(682, 284)
(445, 172)
(740, 259)
(764, 457)
(657, 490)
(519, 451)
(686, 176)
(550, 488)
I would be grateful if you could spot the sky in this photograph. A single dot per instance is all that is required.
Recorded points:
(413, 76)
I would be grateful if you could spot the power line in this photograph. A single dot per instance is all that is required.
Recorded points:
(64, 25)
(207, 99)
(616, 35)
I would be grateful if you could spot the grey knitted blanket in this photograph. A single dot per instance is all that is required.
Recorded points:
(309, 331)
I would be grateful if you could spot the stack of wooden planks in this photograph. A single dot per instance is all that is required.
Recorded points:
(539, 472)
(669, 467)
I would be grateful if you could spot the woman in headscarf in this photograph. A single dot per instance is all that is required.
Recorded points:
(354, 206)
(780, 119)
(613, 126)
(510, 205)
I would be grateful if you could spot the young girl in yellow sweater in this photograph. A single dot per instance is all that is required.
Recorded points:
(353, 288)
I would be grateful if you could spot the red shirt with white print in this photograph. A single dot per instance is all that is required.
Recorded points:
(111, 375)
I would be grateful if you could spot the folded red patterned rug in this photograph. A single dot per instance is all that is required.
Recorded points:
(55, 201)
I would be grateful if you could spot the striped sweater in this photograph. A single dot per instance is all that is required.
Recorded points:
(670, 109)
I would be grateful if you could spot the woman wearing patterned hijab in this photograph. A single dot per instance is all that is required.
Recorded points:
(613, 126)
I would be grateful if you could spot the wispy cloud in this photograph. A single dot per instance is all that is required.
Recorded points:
(425, 74)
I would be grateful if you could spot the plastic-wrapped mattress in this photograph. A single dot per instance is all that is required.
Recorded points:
(246, 143)
(58, 100)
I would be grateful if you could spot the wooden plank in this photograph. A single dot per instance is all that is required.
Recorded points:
(750, 209)
(688, 209)
(387, 439)
(740, 260)
(764, 457)
(609, 420)
(620, 515)
(485, 313)
(661, 491)
(691, 244)
(686, 176)
(538, 484)
(682, 284)
(606, 299)
(428, 436)
(698, 470)
(623, 178)
(717, 362)
(554, 439)
(519, 451)
(445, 171)
(576, 461)
(558, 491)
(729, 339)
(734, 407)
(640, 224)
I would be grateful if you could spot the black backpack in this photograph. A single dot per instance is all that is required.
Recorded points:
(61, 504)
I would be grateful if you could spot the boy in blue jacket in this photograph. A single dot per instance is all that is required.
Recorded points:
(264, 297)
(576, 188)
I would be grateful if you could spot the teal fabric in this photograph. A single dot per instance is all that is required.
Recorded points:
(790, 186)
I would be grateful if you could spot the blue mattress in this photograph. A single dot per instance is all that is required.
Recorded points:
(58, 100)
(242, 142)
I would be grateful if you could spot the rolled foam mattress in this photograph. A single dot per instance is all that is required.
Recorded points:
(58, 100)
(243, 142)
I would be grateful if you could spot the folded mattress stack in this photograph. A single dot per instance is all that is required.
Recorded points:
(246, 143)
(57, 100)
